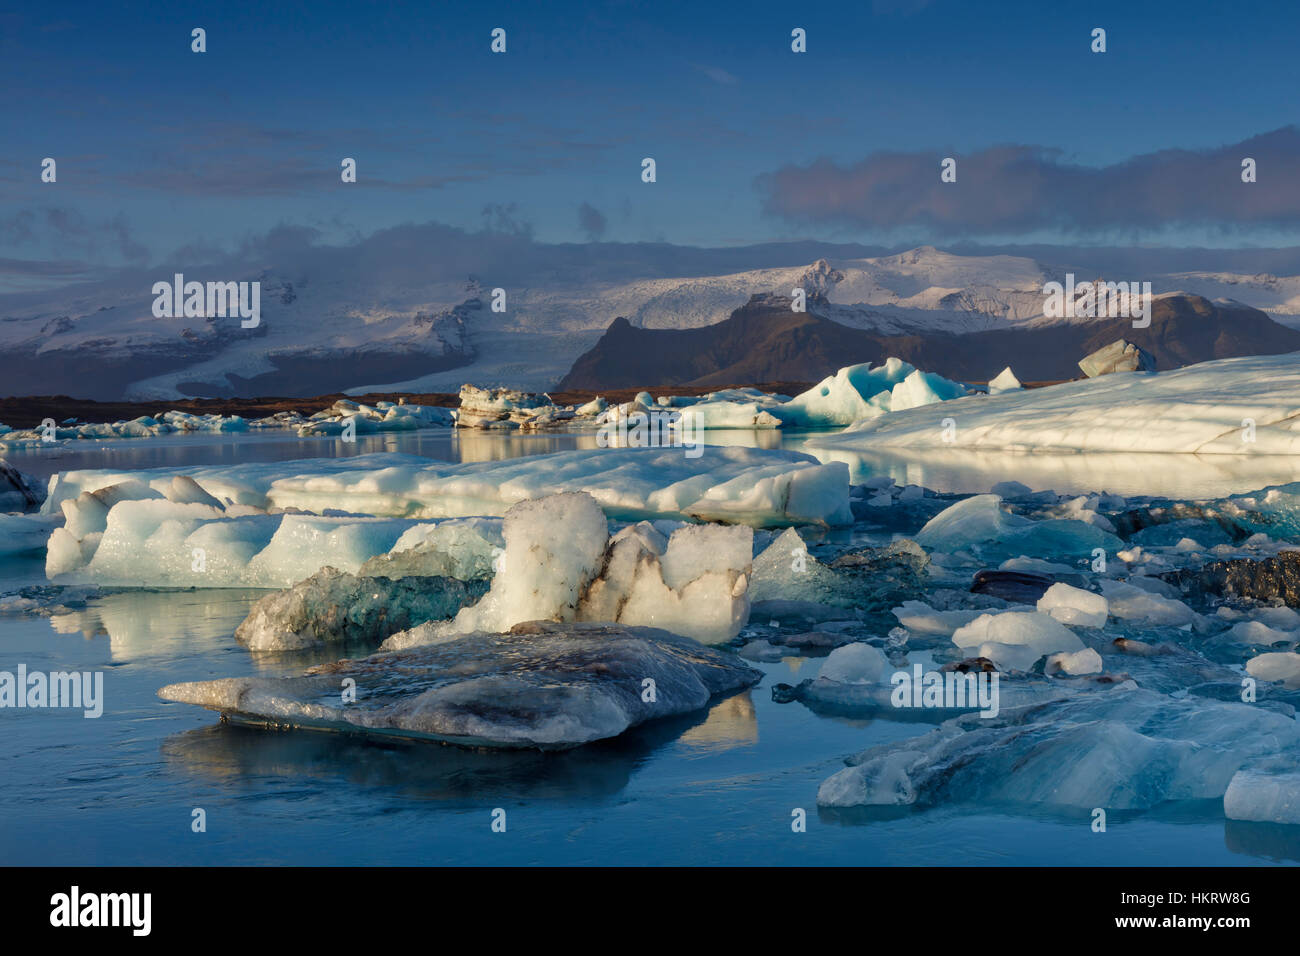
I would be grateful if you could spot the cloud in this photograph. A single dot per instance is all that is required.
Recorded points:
(719, 75)
(1011, 189)
(70, 230)
(591, 221)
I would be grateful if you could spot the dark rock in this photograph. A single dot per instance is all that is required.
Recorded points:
(1020, 587)
(1268, 580)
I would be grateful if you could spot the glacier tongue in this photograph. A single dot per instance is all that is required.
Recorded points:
(544, 685)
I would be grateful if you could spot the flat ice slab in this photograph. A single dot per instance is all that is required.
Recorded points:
(544, 685)
(759, 487)
(1238, 406)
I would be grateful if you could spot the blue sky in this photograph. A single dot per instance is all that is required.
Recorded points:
(161, 149)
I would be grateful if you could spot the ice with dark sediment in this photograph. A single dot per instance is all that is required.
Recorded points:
(333, 607)
(543, 684)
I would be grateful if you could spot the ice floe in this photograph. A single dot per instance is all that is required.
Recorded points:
(734, 484)
(543, 685)
(1118, 749)
(1220, 407)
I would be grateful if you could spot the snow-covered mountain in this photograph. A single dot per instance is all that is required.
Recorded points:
(402, 312)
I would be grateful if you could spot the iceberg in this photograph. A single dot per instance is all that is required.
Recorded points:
(1004, 381)
(543, 685)
(1074, 606)
(333, 607)
(872, 578)
(1122, 749)
(18, 492)
(20, 533)
(153, 542)
(860, 392)
(1263, 797)
(980, 523)
(692, 582)
(1213, 408)
(1015, 640)
(763, 488)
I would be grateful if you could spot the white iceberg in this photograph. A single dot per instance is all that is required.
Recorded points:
(742, 485)
(1015, 640)
(1237, 406)
(691, 583)
(859, 392)
(1004, 381)
(1074, 606)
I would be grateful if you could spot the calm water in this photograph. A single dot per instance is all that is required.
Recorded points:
(716, 788)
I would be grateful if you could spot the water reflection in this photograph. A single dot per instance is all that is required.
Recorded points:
(155, 624)
(229, 753)
(962, 471)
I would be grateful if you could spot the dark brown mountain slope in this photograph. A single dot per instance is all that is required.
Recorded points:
(765, 341)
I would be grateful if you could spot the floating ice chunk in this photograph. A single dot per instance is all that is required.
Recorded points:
(693, 583)
(1283, 666)
(726, 415)
(923, 388)
(1036, 566)
(184, 490)
(786, 571)
(20, 533)
(1125, 748)
(159, 543)
(1086, 661)
(763, 488)
(699, 590)
(1263, 797)
(1011, 490)
(1257, 632)
(869, 578)
(856, 664)
(859, 392)
(980, 522)
(1131, 603)
(1197, 409)
(1282, 618)
(334, 607)
(920, 618)
(555, 547)
(854, 392)
(463, 548)
(18, 492)
(1014, 640)
(1071, 605)
(1005, 381)
(544, 685)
